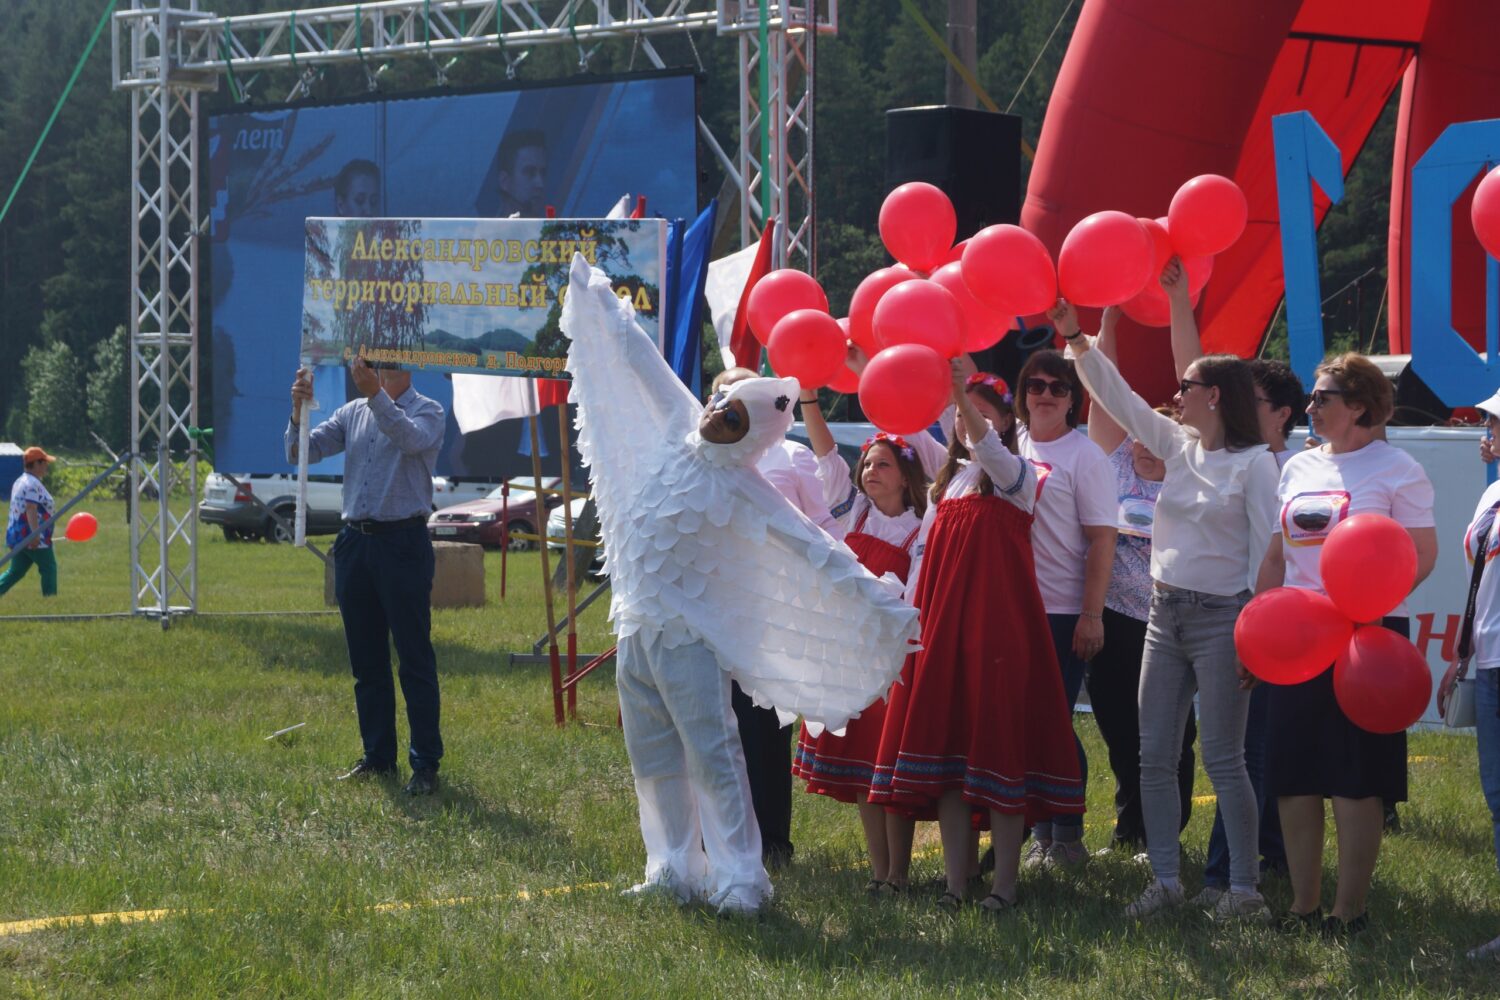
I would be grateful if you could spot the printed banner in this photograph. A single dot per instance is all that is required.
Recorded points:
(480, 296)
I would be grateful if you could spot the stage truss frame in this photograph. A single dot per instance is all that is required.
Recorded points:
(167, 53)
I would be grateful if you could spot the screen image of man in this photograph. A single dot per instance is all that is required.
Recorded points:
(523, 174)
(383, 563)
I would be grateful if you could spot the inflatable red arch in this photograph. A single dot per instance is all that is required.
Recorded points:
(1153, 92)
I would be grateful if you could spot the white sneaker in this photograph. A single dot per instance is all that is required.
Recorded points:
(1207, 897)
(1247, 906)
(662, 888)
(733, 905)
(1036, 854)
(1069, 854)
(1156, 898)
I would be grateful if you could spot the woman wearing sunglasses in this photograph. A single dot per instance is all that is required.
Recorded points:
(1073, 537)
(1315, 752)
(978, 724)
(1213, 521)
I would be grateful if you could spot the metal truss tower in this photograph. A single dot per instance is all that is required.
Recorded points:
(166, 52)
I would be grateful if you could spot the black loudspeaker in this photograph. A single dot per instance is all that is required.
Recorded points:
(1416, 404)
(974, 156)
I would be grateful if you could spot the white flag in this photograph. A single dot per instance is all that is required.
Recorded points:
(723, 288)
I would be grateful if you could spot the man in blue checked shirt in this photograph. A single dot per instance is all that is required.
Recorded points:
(383, 560)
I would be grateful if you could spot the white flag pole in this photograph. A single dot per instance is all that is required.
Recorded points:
(304, 431)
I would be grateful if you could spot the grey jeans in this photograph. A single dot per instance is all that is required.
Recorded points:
(1190, 647)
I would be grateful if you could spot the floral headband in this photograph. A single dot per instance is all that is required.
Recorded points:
(995, 383)
(899, 443)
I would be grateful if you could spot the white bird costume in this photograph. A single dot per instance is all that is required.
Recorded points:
(714, 575)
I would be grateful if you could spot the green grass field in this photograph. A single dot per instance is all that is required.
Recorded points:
(136, 777)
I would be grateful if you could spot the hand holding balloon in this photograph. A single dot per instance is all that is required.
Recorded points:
(1174, 280)
(1064, 317)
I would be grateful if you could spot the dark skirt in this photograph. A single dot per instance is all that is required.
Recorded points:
(1313, 748)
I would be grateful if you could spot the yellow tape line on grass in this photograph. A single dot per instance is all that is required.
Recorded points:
(16, 927)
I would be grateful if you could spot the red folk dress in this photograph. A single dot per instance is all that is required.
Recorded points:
(841, 767)
(980, 709)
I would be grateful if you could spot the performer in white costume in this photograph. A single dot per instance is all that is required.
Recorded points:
(714, 575)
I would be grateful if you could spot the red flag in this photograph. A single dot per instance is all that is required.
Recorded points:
(742, 342)
(551, 392)
(640, 207)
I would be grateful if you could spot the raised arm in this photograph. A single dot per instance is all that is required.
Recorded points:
(1013, 476)
(325, 439)
(414, 431)
(1103, 430)
(818, 434)
(1186, 347)
(1161, 435)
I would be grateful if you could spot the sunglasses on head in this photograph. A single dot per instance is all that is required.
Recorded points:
(1320, 397)
(720, 402)
(1037, 386)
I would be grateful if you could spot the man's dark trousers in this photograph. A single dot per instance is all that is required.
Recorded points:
(383, 582)
(768, 765)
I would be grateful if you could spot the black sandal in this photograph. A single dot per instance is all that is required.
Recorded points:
(1292, 922)
(1001, 905)
(950, 903)
(874, 886)
(1341, 930)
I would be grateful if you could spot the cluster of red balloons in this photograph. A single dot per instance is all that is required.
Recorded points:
(1288, 635)
(1111, 258)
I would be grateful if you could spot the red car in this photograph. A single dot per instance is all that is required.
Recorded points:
(491, 521)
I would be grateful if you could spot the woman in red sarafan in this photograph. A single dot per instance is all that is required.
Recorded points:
(978, 728)
(887, 498)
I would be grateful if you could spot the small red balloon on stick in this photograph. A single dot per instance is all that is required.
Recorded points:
(81, 527)
(1484, 212)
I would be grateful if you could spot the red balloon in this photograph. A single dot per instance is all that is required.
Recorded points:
(866, 296)
(1368, 565)
(807, 345)
(779, 293)
(920, 312)
(917, 225)
(1009, 270)
(983, 327)
(1288, 635)
(846, 379)
(1199, 270)
(905, 388)
(957, 253)
(1161, 247)
(1206, 216)
(1485, 212)
(1105, 260)
(1382, 681)
(81, 527)
(1151, 307)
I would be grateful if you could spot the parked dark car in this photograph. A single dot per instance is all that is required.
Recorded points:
(491, 521)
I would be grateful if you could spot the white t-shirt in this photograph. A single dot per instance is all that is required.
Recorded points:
(1320, 490)
(1487, 602)
(1075, 487)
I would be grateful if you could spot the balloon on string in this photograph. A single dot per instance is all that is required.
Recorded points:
(846, 379)
(905, 388)
(1368, 565)
(983, 327)
(808, 345)
(1009, 270)
(1207, 215)
(1199, 270)
(779, 293)
(1382, 682)
(1288, 635)
(81, 527)
(1484, 212)
(1105, 260)
(918, 224)
(1161, 247)
(866, 296)
(920, 312)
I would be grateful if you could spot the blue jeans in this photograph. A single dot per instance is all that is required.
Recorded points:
(1073, 670)
(1487, 727)
(384, 587)
(1190, 648)
(1272, 850)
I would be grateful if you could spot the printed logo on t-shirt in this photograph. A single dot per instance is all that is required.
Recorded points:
(1137, 514)
(1307, 518)
(1485, 523)
(1043, 470)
